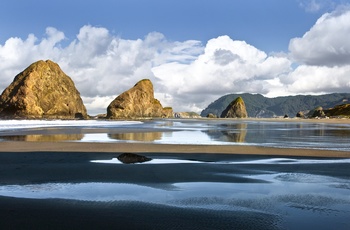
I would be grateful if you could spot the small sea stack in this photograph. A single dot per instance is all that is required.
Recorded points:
(236, 109)
(138, 102)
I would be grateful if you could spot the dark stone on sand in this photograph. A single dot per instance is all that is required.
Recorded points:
(132, 158)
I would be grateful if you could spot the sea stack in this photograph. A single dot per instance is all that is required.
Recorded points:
(236, 109)
(138, 102)
(42, 91)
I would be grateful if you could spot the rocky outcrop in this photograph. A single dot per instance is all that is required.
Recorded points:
(300, 114)
(42, 90)
(236, 109)
(186, 115)
(168, 112)
(211, 115)
(318, 112)
(138, 102)
(339, 111)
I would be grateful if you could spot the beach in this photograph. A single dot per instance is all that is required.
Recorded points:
(76, 184)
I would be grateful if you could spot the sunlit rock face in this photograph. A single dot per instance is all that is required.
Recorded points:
(42, 90)
(138, 102)
(236, 109)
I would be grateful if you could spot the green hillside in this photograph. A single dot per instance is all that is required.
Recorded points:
(260, 106)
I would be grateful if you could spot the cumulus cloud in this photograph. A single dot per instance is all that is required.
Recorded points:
(324, 56)
(226, 66)
(101, 65)
(327, 43)
(319, 79)
(188, 75)
(16, 54)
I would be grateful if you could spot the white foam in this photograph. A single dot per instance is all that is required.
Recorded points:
(291, 161)
(153, 161)
(30, 124)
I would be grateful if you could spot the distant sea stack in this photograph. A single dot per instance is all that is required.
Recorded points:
(236, 109)
(42, 90)
(138, 102)
(264, 107)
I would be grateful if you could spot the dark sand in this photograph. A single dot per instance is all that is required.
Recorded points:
(62, 214)
(75, 167)
(64, 163)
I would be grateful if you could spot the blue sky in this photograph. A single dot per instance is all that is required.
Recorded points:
(267, 24)
(189, 49)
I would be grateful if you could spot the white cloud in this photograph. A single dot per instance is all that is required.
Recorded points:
(327, 43)
(319, 79)
(97, 105)
(311, 5)
(314, 6)
(101, 65)
(226, 66)
(188, 75)
(324, 54)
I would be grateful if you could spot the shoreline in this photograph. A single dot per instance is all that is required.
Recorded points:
(278, 119)
(92, 147)
(120, 147)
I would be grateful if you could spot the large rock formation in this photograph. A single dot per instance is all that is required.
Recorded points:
(42, 90)
(138, 102)
(236, 109)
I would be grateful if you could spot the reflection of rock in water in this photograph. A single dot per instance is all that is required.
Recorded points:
(236, 137)
(132, 158)
(45, 138)
(149, 136)
(231, 133)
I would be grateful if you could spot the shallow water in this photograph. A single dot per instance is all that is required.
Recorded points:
(289, 134)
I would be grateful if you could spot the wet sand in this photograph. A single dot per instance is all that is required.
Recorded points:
(61, 214)
(23, 168)
(70, 163)
(21, 146)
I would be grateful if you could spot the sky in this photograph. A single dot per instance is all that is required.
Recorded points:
(193, 51)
